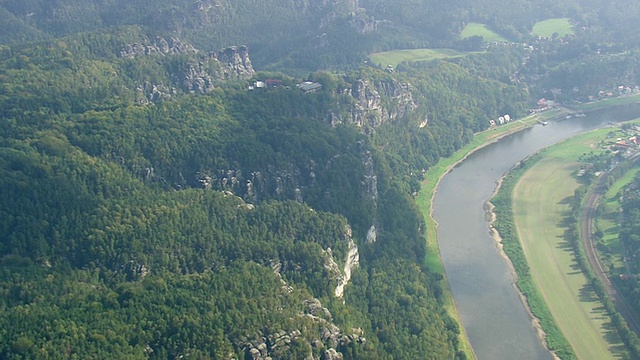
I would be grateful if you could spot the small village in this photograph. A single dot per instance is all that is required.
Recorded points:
(623, 144)
(627, 146)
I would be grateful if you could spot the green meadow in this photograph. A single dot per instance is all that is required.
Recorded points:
(395, 57)
(547, 28)
(541, 207)
(477, 29)
(608, 102)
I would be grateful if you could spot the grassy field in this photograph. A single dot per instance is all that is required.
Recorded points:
(609, 102)
(547, 28)
(540, 209)
(477, 29)
(395, 57)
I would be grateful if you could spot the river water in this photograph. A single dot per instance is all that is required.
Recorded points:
(483, 286)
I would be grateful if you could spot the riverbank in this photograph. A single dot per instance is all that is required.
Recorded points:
(432, 178)
(504, 229)
(428, 190)
(542, 231)
(536, 322)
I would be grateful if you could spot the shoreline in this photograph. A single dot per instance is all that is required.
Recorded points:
(432, 240)
(497, 238)
(446, 171)
(519, 125)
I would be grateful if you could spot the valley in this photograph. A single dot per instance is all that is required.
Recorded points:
(239, 180)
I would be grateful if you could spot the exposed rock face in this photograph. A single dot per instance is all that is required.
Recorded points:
(370, 183)
(330, 9)
(314, 307)
(276, 345)
(378, 102)
(273, 183)
(159, 46)
(194, 77)
(332, 354)
(331, 266)
(147, 93)
(331, 336)
(351, 262)
(235, 62)
(365, 23)
(195, 74)
(134, 271)
(372, 234)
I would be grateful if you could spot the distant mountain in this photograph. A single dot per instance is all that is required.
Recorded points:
(307, 34)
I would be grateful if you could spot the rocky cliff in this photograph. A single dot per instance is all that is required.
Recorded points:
(157, 46)
(351, 261)
(234, 63)
(320, 336)
(190, 70)
(376, 102)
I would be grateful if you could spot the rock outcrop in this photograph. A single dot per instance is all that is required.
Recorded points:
(351, 262)
(326, 337)
(273, 183)
(159, 46)
(194, 72)
(372, 234)
(235, 63)
(377, 102)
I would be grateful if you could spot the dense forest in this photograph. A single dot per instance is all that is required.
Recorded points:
(304, 35)
(146, 217)
(169, 190)
(629, 236)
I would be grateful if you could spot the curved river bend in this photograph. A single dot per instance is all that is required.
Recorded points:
(483, 286)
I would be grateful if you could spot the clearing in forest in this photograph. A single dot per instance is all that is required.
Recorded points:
(395, 57)
(477, 29)
(547, 28)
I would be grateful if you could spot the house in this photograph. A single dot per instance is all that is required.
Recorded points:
(257, 85)
(309, 87)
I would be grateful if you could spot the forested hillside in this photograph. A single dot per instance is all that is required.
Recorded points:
(307, 35)
(145, 216)
(629, 236)
(169, 190)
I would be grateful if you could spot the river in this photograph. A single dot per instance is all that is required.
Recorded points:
(483, 285)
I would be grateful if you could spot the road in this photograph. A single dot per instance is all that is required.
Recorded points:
(587, 226)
